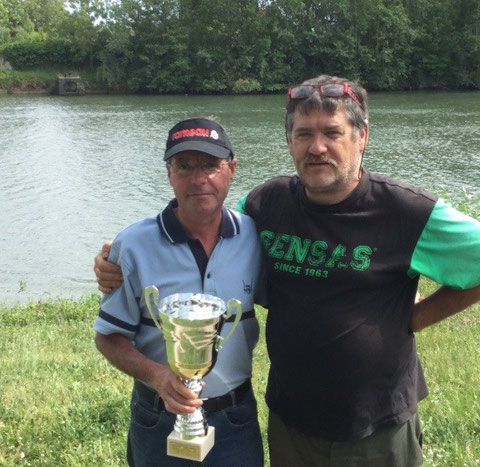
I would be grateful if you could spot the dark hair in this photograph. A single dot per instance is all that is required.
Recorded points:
(357, 116)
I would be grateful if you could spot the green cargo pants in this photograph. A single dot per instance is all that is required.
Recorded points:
(399, 446)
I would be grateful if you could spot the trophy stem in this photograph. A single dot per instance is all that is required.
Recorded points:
(193, 424)
(194, 384)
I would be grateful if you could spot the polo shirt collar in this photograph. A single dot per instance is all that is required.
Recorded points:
(171, 228)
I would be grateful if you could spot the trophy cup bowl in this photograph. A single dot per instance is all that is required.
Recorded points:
(191, 325)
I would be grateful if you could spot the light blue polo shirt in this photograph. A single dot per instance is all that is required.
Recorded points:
(157, 251)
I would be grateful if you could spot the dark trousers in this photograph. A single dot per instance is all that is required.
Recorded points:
(238, 442)
(399, 446)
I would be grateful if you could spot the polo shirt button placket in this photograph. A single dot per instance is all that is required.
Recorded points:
(208, 284)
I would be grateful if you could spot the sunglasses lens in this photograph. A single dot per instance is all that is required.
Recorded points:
(328, 90)
(333, 90)
(301, 92)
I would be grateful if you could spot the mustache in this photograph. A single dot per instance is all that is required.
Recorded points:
(311, 159)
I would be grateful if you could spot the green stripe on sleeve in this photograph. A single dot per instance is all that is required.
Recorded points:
(241, 205)
(448, 250)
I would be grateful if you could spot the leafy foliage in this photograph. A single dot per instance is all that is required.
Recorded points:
(224, 46)
(246, 86)
(35, 52)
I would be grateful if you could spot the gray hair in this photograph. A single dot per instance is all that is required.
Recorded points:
(356, 115)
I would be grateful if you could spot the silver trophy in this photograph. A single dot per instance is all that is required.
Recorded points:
(191, 326)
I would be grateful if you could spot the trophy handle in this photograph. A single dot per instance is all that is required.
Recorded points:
(232, 305)
(149, 291)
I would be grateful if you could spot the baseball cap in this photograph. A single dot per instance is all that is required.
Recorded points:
(198, 134)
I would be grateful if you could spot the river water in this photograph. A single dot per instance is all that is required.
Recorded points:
(75, 171)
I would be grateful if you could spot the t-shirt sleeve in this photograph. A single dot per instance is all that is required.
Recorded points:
(119, 310)
(448, 250)
(252, 203)
(241, 205)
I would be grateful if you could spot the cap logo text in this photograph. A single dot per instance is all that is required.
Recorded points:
(189, 132)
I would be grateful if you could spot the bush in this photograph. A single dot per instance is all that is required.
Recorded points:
(246, 86)
(34, 53)
(41, 52)
(276, 87)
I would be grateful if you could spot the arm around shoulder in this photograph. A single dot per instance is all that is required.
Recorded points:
(109, 275)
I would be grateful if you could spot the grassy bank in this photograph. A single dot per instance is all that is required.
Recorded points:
(61, 404)
(41, 80)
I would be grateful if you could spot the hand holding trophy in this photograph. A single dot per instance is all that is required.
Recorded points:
(191, 325)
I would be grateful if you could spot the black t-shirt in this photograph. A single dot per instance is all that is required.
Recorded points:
(343, 361)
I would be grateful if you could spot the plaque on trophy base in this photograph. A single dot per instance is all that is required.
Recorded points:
(193, 449)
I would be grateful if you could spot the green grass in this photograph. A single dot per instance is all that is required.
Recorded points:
(450, 355)
(62, 404)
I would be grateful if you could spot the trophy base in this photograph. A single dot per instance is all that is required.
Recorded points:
(193, 449)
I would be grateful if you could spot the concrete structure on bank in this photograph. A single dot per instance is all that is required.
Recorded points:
(69, 85)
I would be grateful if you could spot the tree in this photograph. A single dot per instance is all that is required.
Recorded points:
(465, 50)
(4, 23)
(44, 14)
(83, 38)
(14, 19)
(146, 49)
(225, 42)
(285, 60)
(367, 40)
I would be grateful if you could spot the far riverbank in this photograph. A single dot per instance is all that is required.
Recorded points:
(42, 81)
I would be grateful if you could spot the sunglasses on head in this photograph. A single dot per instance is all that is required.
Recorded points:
(302, 91)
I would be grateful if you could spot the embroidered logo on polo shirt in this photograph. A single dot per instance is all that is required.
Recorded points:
(247, 288)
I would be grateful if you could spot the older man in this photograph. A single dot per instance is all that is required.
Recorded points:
(345, 248)
(194, 245)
